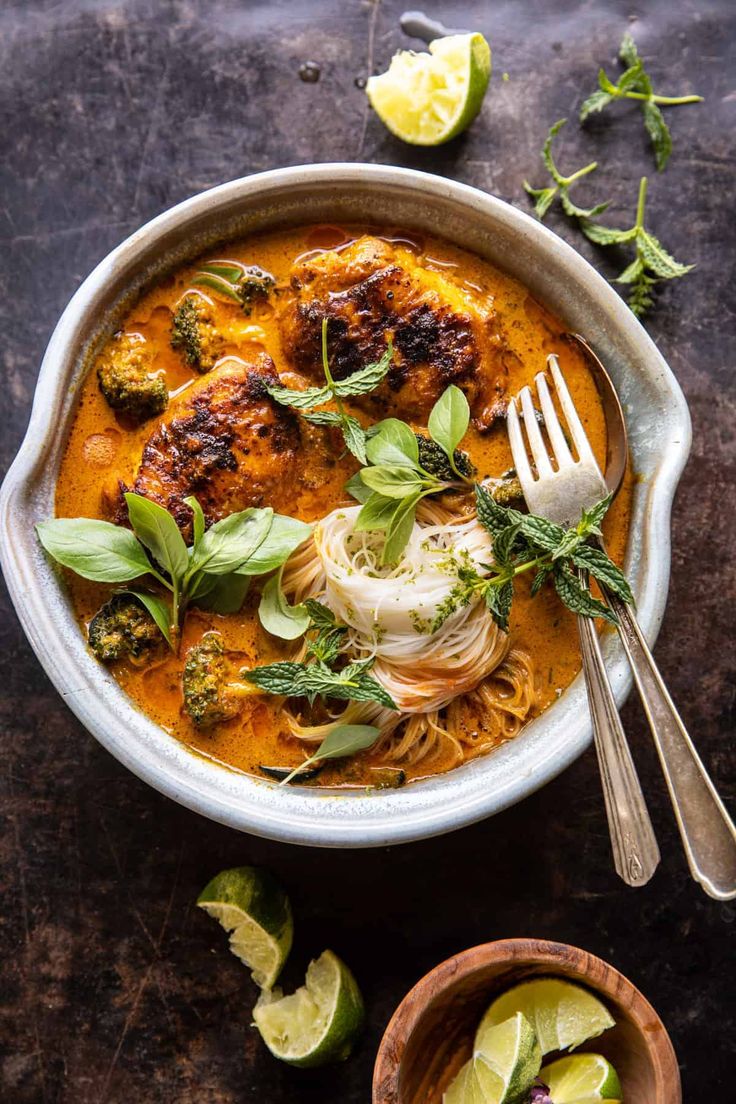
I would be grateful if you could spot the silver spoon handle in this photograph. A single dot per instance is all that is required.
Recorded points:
(708, 832)
(635, 850)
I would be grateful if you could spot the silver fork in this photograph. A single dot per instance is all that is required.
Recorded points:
(561, 495)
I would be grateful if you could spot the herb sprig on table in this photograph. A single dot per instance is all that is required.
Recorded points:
(635, 84)
(213, 572)
(651, 264)
(334, 391)
(544, 197)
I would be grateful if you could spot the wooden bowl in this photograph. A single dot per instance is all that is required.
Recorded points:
(431, 1033)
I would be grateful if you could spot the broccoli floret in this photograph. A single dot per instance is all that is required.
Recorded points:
(122, 628)
(434, 460)
(255, 284)
(126, 380)
(507, 490)
(194, 332)
(210, 693)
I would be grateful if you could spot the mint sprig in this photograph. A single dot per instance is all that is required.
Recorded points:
(544, 197)
(361, 382)
(651, 264)
(635, 84)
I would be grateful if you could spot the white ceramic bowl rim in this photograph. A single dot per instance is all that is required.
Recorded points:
(659, 428)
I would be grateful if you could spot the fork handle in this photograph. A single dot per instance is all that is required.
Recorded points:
(635, 850)
(708, 832)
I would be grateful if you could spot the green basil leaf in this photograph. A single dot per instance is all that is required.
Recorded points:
(449, 420)
(277, 616)
(376, 513)
(392, 482)
(229, 543)
(399, 529)
(393, 443)
(357, 489)
(221, 593)
(365, 379)
(96, 550)
(226, 270)
(283, 538)
(198, 522)
(156, 529)
(223, 287)
(159, 609)
(346, 740)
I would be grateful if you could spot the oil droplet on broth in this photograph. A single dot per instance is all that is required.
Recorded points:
(309, 72)
(100, 449)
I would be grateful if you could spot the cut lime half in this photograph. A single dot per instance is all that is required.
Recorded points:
(427, 99)
(317, 1024)
(252, 906)
(582, 1079)
(562, 1015)
(506, 1059)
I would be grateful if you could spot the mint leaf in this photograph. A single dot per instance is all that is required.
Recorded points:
(354, 437)
(577, 598)
(299, 400)
(595, 561)
(365, 379)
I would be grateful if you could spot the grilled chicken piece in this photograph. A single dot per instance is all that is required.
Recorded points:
(225, 441)
(373, 290)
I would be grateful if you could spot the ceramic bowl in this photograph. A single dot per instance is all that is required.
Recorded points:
(430, 1035)
(659, 433)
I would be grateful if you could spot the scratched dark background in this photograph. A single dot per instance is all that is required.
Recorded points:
(114, 987)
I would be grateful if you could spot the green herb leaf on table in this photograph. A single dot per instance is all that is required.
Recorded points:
(544, 197)
(635, 84)
(652, 263)
(341, 741)
(96, 550)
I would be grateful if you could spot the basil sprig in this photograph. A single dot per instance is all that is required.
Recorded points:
(213, 572)
(395, 482)
(339, 742)
(361, 382)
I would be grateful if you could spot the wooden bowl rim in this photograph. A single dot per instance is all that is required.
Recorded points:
(600, 975)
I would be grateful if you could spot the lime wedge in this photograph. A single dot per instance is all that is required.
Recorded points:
(562, 1015)
(253, 907)
(317, 1024)
(426, 99)
(465, 1088)
(506, 1059)
(582, 1079)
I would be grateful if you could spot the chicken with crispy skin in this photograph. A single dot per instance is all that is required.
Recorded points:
(372, 291)
(225, 441)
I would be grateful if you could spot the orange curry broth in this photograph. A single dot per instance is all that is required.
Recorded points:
(100, 451)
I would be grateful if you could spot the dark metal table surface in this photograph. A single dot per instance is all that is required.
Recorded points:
(114, 987)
